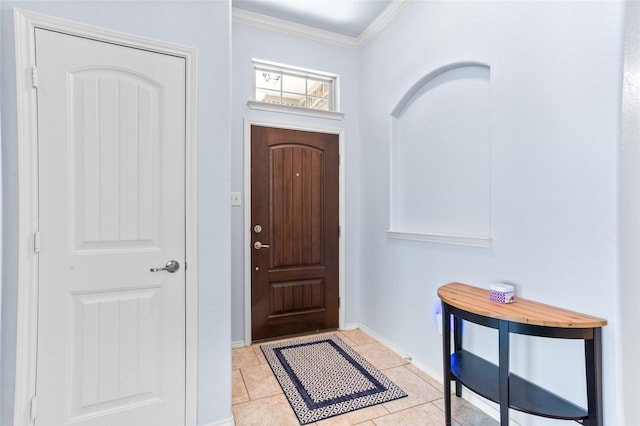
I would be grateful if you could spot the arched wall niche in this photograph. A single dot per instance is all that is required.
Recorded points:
(441, 158)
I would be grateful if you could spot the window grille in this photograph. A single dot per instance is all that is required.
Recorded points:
(292, 86)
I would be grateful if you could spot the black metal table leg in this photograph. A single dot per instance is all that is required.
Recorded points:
(593, 361)
(457, 345)
(503, 379)
(446, 361)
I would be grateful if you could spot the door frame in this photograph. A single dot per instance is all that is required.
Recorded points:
(25, 23)
(247, 216)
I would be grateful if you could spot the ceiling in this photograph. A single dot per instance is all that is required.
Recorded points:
(346, 17)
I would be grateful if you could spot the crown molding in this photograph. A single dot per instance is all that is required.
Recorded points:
(291, 28)
(305, 31)
(395, 7)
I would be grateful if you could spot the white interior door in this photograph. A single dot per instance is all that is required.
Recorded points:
(111, 135)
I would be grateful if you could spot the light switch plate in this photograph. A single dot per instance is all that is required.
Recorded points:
(236, 199)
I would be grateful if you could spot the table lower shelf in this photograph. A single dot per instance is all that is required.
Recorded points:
(481, 377)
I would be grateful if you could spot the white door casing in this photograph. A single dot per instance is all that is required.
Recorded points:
(114, 186)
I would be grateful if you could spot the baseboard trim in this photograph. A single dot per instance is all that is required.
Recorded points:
(226, 422)
(395, 348)
(348, 327)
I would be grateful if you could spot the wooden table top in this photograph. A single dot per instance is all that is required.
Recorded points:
(476, 300)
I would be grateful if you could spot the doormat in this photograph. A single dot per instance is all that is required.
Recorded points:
(324, 377)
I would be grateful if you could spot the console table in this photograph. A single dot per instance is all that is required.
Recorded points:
(496, 383)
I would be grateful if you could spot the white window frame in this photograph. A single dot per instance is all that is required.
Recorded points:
(268, 66)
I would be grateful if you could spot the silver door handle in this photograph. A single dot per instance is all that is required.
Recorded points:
(258, 245)
(171, 267)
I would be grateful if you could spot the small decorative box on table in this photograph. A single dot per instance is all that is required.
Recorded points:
(501, 293)
(465, 302)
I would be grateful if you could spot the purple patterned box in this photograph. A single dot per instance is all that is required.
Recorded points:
(501, 293)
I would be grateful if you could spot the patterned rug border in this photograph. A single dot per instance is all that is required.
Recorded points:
(308, 411)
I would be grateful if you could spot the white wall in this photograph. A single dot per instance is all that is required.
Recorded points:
(252, 42)
(206, 26)
(629, 214)
(1, 224)
(555, 102)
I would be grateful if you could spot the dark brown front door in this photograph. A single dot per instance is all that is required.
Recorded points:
(294, 216)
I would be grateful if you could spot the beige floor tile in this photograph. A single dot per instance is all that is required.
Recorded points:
(355, 417)
(272, 411)
(260, 381)
(238, 391)
(466, 414)
(380, 356)
(423, 415)
(346, 340)
(431, 380)
(243, 357)
(357, 336)
(417, 389)
(259, 354)
(327, 333)
(367, 423)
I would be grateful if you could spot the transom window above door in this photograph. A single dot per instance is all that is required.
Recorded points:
(294, 87)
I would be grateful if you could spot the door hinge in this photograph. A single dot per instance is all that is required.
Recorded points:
(34, 77)
(339, 231)
(36, 242)
(339, 302)
(33, 408)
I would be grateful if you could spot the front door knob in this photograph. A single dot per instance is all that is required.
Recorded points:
(171, 267)
(258, 245)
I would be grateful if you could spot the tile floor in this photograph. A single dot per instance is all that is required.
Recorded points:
(259, 400)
